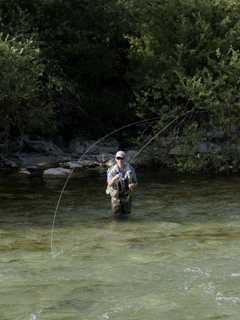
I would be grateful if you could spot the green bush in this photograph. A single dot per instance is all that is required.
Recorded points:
(22, 107)
(187, 57)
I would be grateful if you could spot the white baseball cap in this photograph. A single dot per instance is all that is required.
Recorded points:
(120, 154)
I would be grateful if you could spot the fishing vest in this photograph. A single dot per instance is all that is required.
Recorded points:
(120, 188)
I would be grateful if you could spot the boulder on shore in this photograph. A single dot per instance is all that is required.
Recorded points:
(57, 172)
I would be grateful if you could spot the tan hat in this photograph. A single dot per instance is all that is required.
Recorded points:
(120, 154)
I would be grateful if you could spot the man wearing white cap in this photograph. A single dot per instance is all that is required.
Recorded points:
(121, 180)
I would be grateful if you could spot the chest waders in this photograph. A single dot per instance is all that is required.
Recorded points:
(121, 198)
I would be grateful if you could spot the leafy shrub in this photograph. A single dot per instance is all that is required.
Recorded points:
(22, 108)
(187, 56)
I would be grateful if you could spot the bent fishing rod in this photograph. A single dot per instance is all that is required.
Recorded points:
(158, 134)
(183, 116)
(81, 157)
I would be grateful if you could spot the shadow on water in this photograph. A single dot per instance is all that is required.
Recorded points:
(160, 197)
(171, 207)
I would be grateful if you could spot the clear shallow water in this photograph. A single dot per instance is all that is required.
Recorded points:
(178, 257)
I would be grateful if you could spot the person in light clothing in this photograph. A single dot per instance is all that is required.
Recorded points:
(121, 181)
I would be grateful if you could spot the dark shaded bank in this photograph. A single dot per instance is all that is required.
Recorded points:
(70, 68)
(36, 156)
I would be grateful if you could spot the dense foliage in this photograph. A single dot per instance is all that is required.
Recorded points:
(187, 57)
(83, 55)
(70, 67)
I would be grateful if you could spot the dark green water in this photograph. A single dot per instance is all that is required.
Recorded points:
(177, 258)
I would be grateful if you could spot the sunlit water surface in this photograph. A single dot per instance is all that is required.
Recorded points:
(176, 258)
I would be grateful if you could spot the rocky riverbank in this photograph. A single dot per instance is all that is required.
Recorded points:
(41, 157)
(38, 157)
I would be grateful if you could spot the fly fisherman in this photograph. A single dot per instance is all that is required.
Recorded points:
(121, 180)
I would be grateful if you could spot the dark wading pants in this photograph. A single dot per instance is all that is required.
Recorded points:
(121, 206)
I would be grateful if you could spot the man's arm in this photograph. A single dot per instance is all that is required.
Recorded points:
(112, 177)
(133, 183)
(112, 180)
(132, 186)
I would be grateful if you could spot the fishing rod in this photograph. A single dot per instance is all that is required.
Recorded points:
(159, 132)
(81, 157)
(183, 116)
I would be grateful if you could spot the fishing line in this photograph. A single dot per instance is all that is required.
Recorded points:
(183, 116)
(71, 172)
(158, 133)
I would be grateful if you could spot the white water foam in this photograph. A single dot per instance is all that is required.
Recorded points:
(197, 270)
(220, 298)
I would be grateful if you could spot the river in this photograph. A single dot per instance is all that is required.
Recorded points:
(176, 258)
